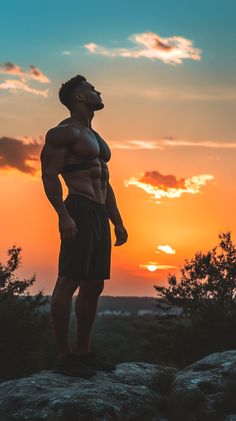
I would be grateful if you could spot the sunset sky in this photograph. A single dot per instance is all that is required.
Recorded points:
(167, 74)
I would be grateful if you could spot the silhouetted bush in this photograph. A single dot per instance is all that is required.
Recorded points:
(25, 331)
(207, 287)
(207, 292)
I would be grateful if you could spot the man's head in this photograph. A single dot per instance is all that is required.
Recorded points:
(78, 91)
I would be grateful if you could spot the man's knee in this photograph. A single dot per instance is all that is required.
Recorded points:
(92, 288)
(66, 284)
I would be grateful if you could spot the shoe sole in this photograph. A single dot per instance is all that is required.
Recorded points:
(106, 369)
(73, 374)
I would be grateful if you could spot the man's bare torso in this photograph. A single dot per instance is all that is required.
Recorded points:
(88, 147)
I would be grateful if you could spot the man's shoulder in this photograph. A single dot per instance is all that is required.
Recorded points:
(62, 134)
(65, 126)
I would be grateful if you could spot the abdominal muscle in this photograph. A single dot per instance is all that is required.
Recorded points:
(91, 182)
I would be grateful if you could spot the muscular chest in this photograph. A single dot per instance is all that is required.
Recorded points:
(88, 147)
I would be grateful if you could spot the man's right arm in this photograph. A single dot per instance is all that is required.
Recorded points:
(52, 160)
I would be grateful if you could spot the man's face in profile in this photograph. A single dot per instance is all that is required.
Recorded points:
(87, 93)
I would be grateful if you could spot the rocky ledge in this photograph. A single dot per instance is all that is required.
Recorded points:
(205, 390)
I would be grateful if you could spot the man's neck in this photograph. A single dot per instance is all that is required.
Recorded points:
(83, 118)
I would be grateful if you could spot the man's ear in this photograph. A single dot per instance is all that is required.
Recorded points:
(78, 96)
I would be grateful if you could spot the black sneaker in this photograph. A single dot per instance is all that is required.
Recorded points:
(71, 367)
(90, 360)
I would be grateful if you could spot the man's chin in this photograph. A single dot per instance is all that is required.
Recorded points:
(98, 106)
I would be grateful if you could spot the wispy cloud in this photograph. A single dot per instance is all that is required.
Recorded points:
(18, 153)
(170, 141)
(153, 266)
(10, 68)
(36, 74)
(171, 50)
(165, 249)
(17, 85)
(33, 72)
(136, 144)
(159, 186)
(20, 84)
(92, 47)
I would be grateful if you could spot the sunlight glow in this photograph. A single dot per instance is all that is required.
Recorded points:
(153, 266)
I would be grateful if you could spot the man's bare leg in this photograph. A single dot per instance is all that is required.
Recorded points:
(86, 307)
(60, 313)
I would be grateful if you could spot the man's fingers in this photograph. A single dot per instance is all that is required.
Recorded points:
(120, 242)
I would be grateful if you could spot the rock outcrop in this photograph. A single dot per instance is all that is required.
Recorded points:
(135, 391)
(206, 389)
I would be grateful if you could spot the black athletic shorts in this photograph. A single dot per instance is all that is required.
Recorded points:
(88, 255)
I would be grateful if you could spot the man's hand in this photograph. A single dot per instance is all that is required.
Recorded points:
(67, 228)
(121, 235)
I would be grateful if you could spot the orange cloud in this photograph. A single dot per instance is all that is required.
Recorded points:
(170, 50)
(15, 153)
(163, 181)
(159, 185)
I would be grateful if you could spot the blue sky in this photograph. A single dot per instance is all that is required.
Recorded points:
(37, 28)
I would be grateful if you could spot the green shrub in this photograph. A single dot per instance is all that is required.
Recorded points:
(25, 330)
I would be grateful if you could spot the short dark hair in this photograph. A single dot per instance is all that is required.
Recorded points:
(67, 88)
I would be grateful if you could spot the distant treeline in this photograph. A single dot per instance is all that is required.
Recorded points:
(125, 304)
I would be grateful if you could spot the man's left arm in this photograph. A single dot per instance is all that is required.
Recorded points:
(115, 217)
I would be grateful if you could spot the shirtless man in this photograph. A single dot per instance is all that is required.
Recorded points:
(74, 150)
